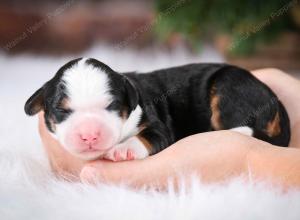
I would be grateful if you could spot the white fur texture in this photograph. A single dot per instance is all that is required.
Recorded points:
(87, 86)
(29, 191)
(130, 127)
(243, 130)
(133, 144)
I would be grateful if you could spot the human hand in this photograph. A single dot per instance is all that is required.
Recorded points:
(62, 162)
(213, 161)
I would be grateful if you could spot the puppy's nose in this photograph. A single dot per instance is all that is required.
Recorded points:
(90, 139)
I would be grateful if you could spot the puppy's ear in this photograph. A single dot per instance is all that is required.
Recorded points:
(132, 95)
(35, 103)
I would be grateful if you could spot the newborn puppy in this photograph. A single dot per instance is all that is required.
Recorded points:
(96, 112)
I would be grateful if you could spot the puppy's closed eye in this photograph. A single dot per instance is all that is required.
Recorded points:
(114, 105)
(61, 114)
(63, 111)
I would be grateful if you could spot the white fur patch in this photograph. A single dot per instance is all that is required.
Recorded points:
(133, 144)
(87, 86)
(130, 127)
(243, 130)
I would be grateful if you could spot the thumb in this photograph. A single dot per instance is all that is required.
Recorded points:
(128, 172)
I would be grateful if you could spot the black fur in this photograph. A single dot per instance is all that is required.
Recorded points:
(176, 103)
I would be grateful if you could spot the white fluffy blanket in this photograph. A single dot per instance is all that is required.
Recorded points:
(29, 191)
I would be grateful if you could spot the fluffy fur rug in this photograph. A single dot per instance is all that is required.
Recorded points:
(29, 191)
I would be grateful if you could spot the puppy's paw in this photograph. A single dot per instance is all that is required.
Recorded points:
(131, 149)
(120, 153)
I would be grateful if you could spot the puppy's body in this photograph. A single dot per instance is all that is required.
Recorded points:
(142, 114)
(181, 101)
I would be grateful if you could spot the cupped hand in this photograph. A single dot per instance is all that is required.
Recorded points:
(62, 162)
(213, 156)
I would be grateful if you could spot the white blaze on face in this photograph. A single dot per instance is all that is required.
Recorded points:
(87, 86)
(90, 130)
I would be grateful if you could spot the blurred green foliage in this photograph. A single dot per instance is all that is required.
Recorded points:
(247, 22)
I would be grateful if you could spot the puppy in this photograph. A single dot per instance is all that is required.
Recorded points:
(96, 112)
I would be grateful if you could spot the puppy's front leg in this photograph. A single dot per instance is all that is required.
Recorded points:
(133, 148)
(149, 141)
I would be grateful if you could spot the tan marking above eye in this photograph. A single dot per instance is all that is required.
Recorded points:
(273, 127)
(65, 103)
(142, 127)
(124, 114)
(215, 110)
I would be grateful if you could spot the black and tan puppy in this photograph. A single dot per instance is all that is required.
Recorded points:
(96, 112)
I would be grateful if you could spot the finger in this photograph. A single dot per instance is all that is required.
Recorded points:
(277, 81)
(128, 172)
(47, 139)
(41, 122)
(45, 135)
(61, 161)
(295, 138)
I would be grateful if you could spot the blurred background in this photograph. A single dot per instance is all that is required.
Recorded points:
(38, 36)
(249, 33)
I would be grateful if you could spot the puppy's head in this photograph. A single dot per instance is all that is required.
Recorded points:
(88, 107)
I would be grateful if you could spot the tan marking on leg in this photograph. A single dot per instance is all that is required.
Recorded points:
(142, 127)
(273, 127)
(215, 111)
(146, 143)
